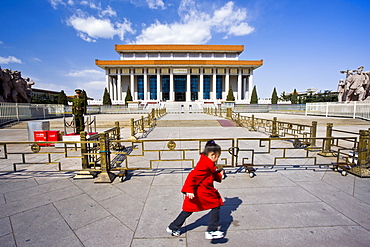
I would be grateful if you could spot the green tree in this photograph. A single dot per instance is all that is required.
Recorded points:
(294, 98)
(254, 97)
(106, 98)
(128, 95)
(274, 97)
(62, 98)
(230, 95)
(284, 97)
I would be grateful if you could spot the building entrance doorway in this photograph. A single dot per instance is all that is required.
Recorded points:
(180, 87)
(180, 97)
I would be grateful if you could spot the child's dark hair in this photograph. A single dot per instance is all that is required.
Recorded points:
(210, 147)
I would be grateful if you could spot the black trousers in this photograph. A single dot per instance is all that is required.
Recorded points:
(214, 217)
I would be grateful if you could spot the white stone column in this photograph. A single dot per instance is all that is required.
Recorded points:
(146, 85)
(240, 85)
(172, 93)
(132, 85)
(250, 85)
(213, 94)
(227, 83)
(109, 83)
(200, 96)
(188, 86)
(119, 86)
(244, 95)
(159, 83)
(114, 87)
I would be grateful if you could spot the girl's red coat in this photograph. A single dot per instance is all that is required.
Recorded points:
(200, 183)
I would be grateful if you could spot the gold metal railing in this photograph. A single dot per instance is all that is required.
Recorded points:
(143, 125)
(273, 127)
(107, 152)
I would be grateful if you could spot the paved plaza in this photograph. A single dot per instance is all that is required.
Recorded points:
(297, 205)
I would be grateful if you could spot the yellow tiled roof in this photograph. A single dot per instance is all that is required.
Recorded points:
(179, 48)
(130, 63)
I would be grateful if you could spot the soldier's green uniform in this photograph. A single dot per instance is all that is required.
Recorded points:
(78, 110)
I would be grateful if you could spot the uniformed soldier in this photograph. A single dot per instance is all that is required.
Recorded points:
(78, 110)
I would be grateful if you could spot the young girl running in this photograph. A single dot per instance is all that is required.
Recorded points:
(200, 194)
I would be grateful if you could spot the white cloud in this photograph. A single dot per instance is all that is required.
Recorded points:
(108, 12)
(88, 73)
(176, 33)
(96, 85)
(9, 59)
(1, 42)
(55, 3)
(37, 59)
(91, 28)
(197, 26)
(155, 4)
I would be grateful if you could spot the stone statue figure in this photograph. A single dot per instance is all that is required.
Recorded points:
(357, 85)
(19, 94)
(6, 84)
(342, 90)
(14, 88)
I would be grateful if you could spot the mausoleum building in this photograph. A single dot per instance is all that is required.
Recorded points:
(179, 73)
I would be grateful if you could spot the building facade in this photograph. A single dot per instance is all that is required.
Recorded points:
(179, 73)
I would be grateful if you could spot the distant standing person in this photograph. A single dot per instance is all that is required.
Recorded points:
(78, 111)
(200, 194)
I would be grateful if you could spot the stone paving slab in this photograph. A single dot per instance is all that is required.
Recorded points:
(292, 204)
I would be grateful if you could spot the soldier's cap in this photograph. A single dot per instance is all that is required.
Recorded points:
(78, 91)
(361, 67)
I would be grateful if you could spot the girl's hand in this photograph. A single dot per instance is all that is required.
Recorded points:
(190, 195)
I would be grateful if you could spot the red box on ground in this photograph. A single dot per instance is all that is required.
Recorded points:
(40, 136)
(52, 136)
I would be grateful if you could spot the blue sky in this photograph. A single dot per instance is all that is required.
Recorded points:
(304, 43)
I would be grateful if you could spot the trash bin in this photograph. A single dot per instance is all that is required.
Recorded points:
(52, 136)
(36, 125)
(41, 136)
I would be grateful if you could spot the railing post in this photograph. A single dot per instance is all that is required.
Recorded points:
(142, 125)
(84, 173)
(363, 147)
(326, 149)
(238, 121)
(132, 125)
(253, 127)
(118, 131)
(105, 176)
(84, 159)
(313, 133)
(17, 111)
(228, 113)
(274, 128)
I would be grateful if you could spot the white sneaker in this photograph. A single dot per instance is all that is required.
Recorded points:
(214, 235)
(173, 233)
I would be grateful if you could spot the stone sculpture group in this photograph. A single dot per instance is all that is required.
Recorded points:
(356, 86)
(14, 88)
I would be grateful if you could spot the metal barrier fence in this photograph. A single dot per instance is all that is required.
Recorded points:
(106, 152)
(335, 109)
(261, 108)
(11, 112)
(273, 127)
(144, 125)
